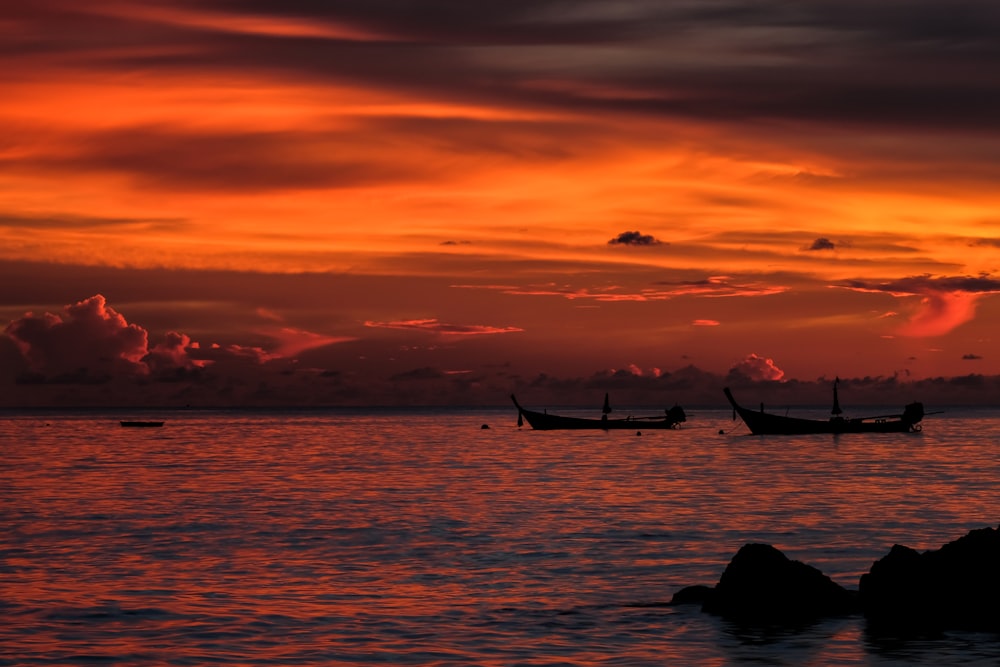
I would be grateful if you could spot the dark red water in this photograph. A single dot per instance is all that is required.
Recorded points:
(416, 537)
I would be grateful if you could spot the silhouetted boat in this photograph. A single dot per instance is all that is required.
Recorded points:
(142, 423)
(763, 423)
(542, 421)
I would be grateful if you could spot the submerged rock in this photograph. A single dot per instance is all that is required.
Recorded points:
(761, 584)
(956, 587)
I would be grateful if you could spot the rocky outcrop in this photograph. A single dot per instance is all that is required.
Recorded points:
(761, 584)
(954, 587)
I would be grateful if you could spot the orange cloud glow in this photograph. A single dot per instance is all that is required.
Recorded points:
(328, 184)
(944, 303)
(431, 325)
(758, 368)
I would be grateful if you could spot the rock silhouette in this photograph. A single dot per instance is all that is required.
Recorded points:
(956, 587)
(761, 584)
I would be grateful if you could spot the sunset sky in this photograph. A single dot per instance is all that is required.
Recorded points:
(221, 202)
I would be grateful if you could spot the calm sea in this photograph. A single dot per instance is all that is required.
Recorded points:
(416, 537)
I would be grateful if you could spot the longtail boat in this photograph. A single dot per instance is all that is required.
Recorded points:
(543, 421)
(764, 423)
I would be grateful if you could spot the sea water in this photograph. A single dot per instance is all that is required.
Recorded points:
(418, 537)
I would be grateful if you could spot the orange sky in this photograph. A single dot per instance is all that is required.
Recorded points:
(393, 199)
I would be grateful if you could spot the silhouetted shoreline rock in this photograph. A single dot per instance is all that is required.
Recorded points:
(956, 587)
(761, 584)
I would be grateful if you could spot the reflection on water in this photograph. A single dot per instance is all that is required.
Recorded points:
(414, 537)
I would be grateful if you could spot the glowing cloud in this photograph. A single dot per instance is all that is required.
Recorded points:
(724, 286)
(172, 354)
(431, 325)
(758, 368)
(945, 302)
(711, 287)
(293, 342)
(705, 323)
(89, 339)
(637, 371)
(939, 313)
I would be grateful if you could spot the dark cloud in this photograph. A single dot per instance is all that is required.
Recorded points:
(634, 238)
(70, 221)
(923, 284)
(971, 357)
(922, 64)
(219, 160)
(822, 243)
(423, 373)
(222, 159)
(986, 243)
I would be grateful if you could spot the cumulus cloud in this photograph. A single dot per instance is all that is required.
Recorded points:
(758, 368)
(634, 238)
(90, 342)
(172, 354)
(88, 339)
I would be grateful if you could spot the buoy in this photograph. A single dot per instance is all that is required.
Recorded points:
(484, 426)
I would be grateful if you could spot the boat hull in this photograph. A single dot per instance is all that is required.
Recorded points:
(542, 421)
(763, 423)
(141, 424)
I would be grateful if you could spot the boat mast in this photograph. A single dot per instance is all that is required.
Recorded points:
(836, 403)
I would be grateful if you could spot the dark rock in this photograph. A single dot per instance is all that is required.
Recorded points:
(692, 595)
(761, 584)
(956, 587)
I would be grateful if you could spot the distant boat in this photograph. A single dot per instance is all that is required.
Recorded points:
(542, 421)
(146, 424)
(763, 423)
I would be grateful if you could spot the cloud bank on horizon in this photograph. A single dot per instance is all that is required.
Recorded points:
(90, 346)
